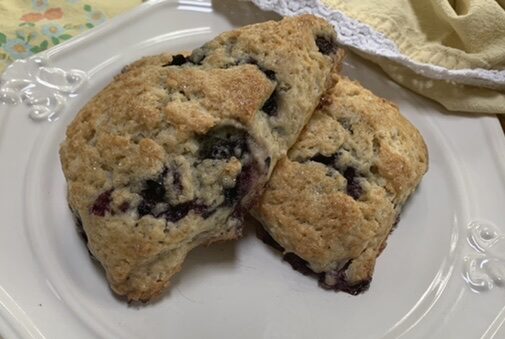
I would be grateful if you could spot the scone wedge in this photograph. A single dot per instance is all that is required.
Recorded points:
(332, 202)
(169, 154)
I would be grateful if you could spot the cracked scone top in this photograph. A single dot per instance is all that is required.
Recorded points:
(166, 157)
(331, 203)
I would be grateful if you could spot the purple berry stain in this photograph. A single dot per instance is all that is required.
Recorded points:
(102, 204)
(178, 212)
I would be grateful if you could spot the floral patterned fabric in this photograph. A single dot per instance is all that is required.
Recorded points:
(31, 26)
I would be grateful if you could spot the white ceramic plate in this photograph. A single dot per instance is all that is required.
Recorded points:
(441, 276)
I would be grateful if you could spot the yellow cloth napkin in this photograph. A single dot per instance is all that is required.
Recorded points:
(454, 34)
(30, 26)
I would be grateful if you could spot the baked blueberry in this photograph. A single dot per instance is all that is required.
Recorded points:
(337, 280)
(177, 60)
(325, 160)
(224, 143)
(297, 263)
(353, 186)
(270, 107)
(326, 45)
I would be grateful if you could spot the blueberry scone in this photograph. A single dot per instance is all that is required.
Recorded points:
(169, 154)
(330, 205)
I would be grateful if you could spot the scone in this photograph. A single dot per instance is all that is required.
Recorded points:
(332, 202)
(168, 155)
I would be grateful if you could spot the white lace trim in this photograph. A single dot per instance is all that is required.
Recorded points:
(354, 34)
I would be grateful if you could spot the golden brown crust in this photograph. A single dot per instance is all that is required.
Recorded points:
(234, 93)
(163, 158)
(335, 198)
